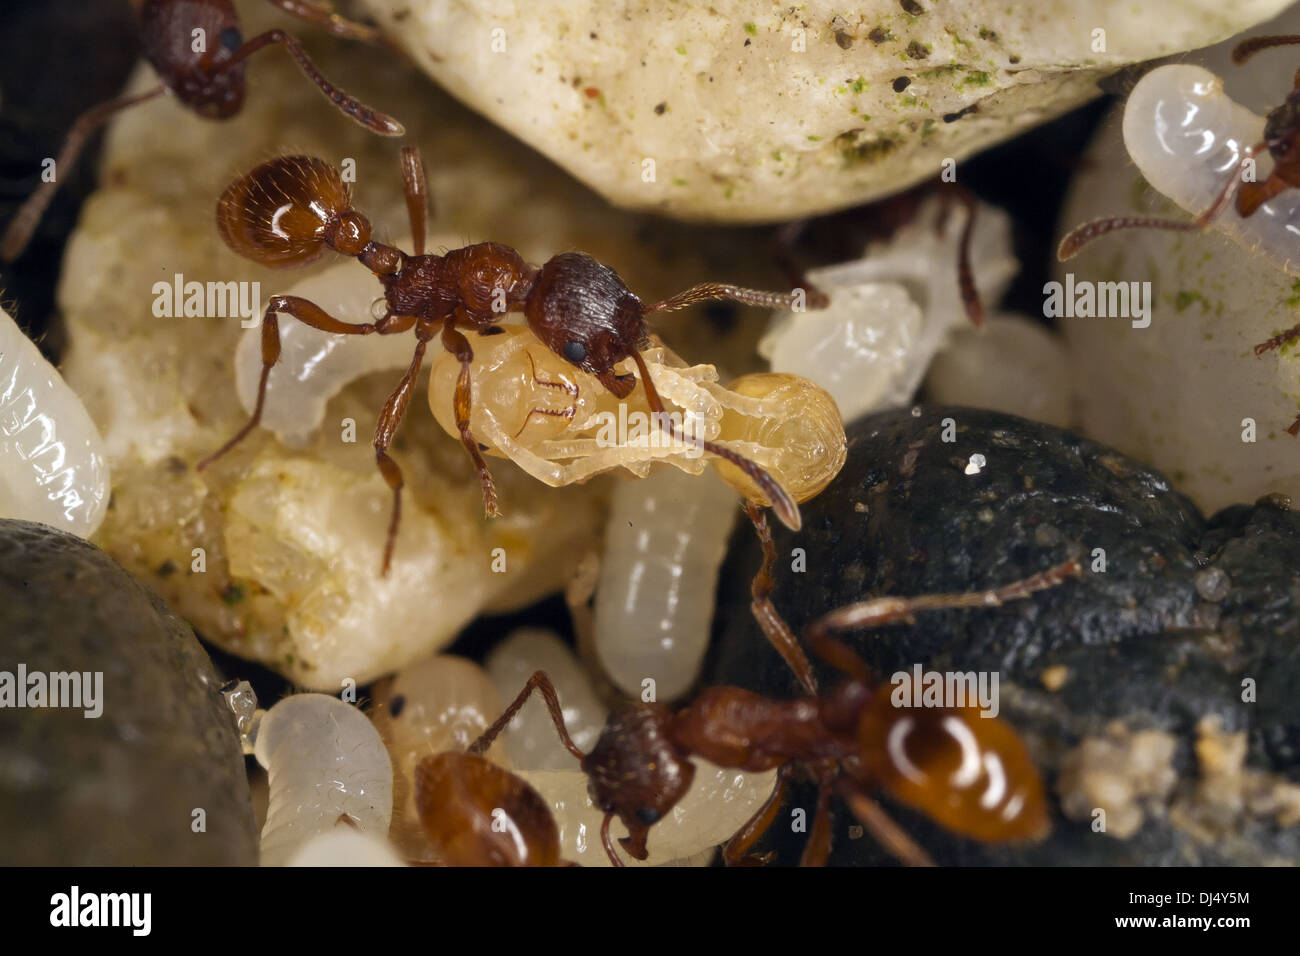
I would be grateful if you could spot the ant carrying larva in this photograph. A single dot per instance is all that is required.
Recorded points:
(289, 210)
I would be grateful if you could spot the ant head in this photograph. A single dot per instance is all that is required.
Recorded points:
(636, 772)
(586, 315)
(1282, 130)
(288, 210)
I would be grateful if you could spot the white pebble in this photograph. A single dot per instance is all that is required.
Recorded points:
(52, 464)
(323, 759)
(530, 739)
(664, 543)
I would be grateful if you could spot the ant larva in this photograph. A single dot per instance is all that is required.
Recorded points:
(558, 423)
(1188, 139)
(853, 740)
(209, 79)
(289, 210)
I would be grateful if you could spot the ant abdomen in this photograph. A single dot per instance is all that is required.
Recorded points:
(478, 814)
(970, 773)
(285, 212)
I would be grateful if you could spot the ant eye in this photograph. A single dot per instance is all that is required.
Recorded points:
(231, 39)
(575, 352)
(647, 816)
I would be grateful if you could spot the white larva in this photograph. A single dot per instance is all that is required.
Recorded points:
(315, 366)
(52, 463)
(664, 543)
(344, 846)
(1012, 365)
(323, 759)
(1187, 138)
(530, 739)
(890, 310)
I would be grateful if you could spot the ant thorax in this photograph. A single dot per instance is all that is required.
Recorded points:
(1186, 136)
(562, 426)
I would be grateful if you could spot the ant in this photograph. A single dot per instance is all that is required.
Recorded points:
(210, 81)
(1281, 140)
(971, 774)
(289, 210)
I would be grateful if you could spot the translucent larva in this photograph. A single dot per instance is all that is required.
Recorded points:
(1187, 137)
(664, 543)
(890, 310)
(52, 463)
(324, 760)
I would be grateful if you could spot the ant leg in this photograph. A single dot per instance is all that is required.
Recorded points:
(887, 833)
(818, 847)
(308, 313)
(769, 619)
(330, 21)
(1277, 341)
(568, 413)
(352, 107)
(782, 503)
(459, 347)
(886, 610)
(538, 682)
(1080, 236)
(734, 853)
(416, 188)
(29, 214)
(607, 842)
(385, 428)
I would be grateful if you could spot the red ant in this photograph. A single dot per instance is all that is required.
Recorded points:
(1281, 139)
(288, 211)
(969, 773)
(175, 36)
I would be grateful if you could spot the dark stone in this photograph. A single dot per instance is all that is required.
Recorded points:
(1141, 644)
(119, 789)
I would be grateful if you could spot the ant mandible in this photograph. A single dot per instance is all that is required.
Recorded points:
(289, 210)
(208, 80)
(1281, 140)
(971, 774)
